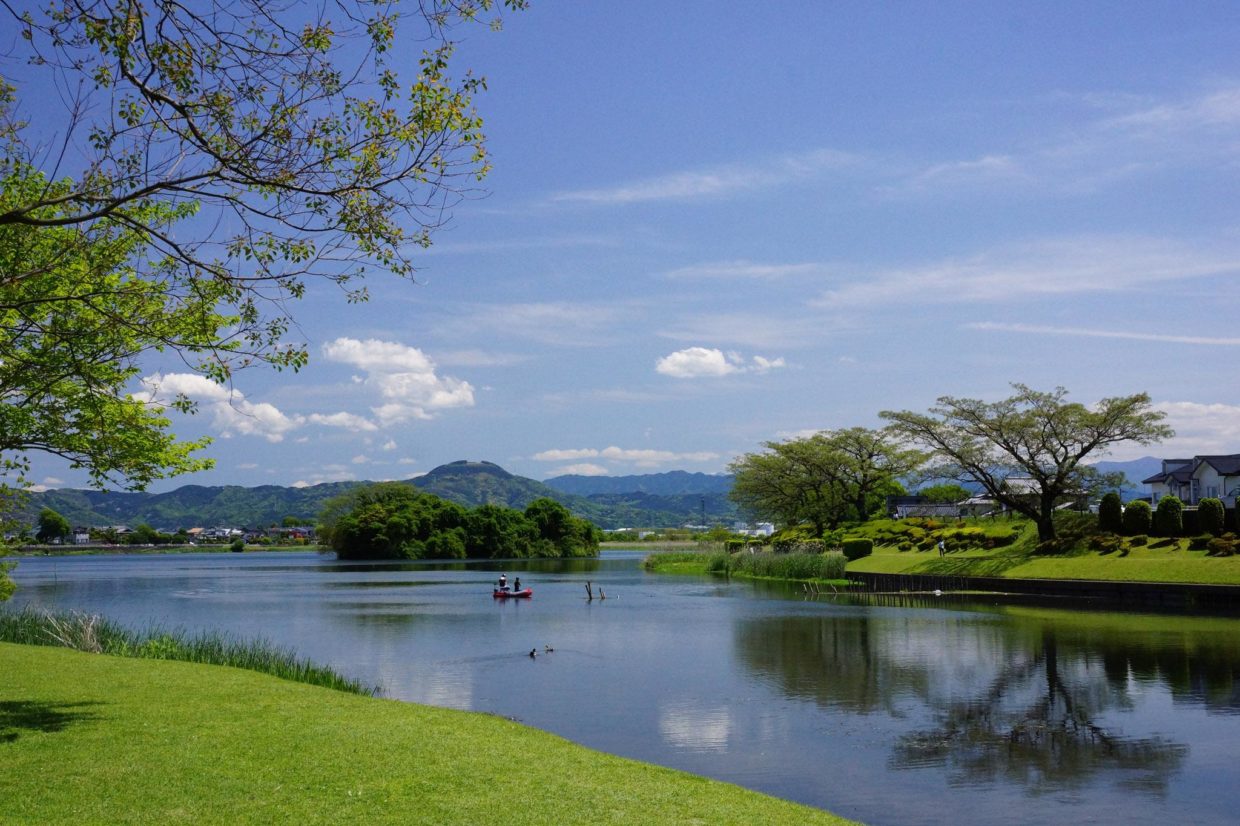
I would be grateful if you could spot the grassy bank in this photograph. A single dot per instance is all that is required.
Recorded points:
(88, 738)
(1008, 548)
(97, 635)
(987, 548)
(827, 568)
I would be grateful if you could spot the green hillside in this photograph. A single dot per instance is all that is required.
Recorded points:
(464, 482)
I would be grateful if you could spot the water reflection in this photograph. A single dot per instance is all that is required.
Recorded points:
(1035, 703)
(688, 726)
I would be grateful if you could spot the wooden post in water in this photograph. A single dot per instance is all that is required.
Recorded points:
(589, 592)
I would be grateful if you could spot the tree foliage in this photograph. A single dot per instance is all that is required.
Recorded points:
(174, 174)
(947, 493)
(52, 527)
(1036, 435)
(822, 480)
(392, 520)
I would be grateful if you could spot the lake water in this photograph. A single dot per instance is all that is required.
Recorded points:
(923, 712)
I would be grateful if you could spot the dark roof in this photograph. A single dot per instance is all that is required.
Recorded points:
(1228, 465)
(1224, 465)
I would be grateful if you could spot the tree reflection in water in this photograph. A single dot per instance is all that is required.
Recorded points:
(1029, 701)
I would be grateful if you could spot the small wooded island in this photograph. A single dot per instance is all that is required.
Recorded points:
(394, 520)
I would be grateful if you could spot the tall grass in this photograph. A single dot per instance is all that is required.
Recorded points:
(828, 565)
(92, 633)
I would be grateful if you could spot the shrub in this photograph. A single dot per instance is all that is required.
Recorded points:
(1138, 518)
(734, 545)
(1105, 543)
(1211, 514)
(857, 548)
(1169, 518)
(1138, 540)
(1111, 513)
(1224, 545)
(237, 546)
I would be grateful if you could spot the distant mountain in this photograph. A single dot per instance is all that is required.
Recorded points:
(1134, 470)
(466, 483)
(671, 483)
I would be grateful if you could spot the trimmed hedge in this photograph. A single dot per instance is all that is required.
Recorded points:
(857, 548)
(1111, 513)
(1211, 514)
(1169, 518)
(1138, 518)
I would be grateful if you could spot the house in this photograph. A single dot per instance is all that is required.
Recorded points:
(1201, 477)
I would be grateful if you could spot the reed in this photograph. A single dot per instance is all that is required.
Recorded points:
(828, 565)
(98, 635)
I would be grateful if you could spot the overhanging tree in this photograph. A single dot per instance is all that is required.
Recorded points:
(1036, 435)
(287, 142)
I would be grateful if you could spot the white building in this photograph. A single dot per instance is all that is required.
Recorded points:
(1201, 477)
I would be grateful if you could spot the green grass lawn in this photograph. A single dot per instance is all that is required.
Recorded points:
(88, 738)
(1158, 561)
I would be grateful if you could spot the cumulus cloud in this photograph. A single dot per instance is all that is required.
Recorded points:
(404, 378)
(1200, 428)
(347, 421)
(640, 456)
(583, 469)
(707, 362)
(232, 414)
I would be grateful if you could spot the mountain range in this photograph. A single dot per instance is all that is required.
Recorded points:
(656, 500)
(464, 482)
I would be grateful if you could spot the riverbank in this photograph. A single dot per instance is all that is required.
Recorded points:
(94, 738)
(15, 554)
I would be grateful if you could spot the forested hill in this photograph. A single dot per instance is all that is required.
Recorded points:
(466, 483)
(671, 483)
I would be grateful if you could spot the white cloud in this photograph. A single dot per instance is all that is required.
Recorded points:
(248, 466)
(583, 469)
(558, 323)
(1199, 429)
(231, 413)
(565, 455)
(360, 459)
(641, 457)
(300, 483)
(743, 269)
(703, 362)
(390, 444)
(347, 421)
(724, 180)
(53, 481)
(403, 376)
(1161, 338)
(1051, 267)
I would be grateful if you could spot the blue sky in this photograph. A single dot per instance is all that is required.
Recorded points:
(715, 224)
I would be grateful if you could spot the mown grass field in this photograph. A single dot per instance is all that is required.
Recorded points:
(89, 738)
(902, 547)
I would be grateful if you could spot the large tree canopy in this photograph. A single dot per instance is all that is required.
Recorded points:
(821, 480)
(1032, 435)
(173, 174)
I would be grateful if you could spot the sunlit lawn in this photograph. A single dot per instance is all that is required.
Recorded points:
(89, 738)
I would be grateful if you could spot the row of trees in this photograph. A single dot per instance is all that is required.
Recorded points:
(392, 520)
(843, 475)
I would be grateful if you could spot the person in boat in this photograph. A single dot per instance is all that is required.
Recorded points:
(516, 586)
(503, 582)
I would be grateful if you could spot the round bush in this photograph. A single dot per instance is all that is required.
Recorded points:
(1138, 518)
(1169, 518)
(1211, 514)
(1111, 513)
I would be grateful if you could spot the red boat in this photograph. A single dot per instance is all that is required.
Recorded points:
(524, 593)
